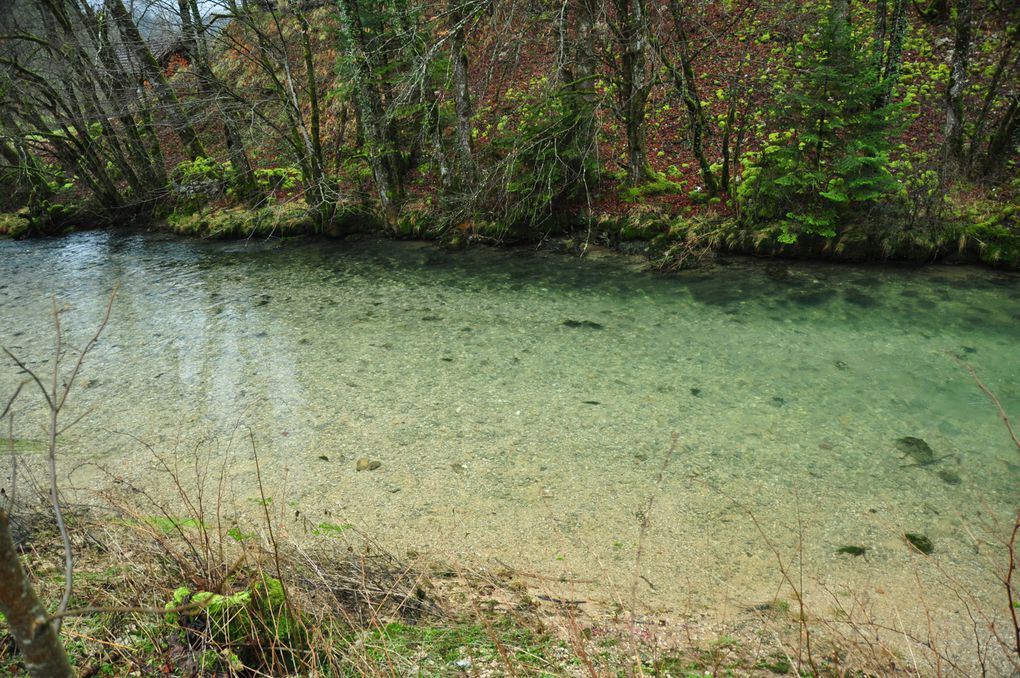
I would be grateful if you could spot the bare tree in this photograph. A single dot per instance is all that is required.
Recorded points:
(36, 632)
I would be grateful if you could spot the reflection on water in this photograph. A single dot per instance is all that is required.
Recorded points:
(520, 404)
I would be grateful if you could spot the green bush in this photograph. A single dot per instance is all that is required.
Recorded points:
(258, 614)
(200, 180)
(830, 159)
(279, 179)
(14, 225)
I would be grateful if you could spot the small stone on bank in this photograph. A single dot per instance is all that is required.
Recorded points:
(366, 464)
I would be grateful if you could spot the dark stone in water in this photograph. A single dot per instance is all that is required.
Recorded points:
(950, 477)
(918, 450)
(859, 298)
(851, 550)
(586, 324)
(780, 273)
(920, 542)
(696, 392)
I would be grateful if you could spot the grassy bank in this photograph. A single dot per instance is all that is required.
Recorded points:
(978, 233)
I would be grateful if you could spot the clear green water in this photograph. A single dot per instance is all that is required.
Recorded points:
(506, 433)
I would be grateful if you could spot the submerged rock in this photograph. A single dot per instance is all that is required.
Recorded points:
(920, 542)
(917, 450)
(585, 324)
(949, 477)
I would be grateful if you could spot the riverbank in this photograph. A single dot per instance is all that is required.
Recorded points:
(182, 594)
(979, 234)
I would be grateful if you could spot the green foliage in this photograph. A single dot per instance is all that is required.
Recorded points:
(331, 529)
(14, 225)
(279, 179)
(283, 219)
(921, 189)
(542, 155)
(198, 181)
(990, 228)
(201, 169)
(256, 614)
(661, 185)
(831, 158)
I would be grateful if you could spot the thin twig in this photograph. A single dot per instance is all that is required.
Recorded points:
(645, 518)
(998, 405)
(269, 522)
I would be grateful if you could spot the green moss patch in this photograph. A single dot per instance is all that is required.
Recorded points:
(286, 219)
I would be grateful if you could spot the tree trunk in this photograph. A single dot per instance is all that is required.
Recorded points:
(26, 617)
(1004, 141)
(893, 57)
(462, 96)
(634, 87)
(576, 79)
(213, 87)
(372, 116)
(957, 82)
(881, 21)
(686, 85)
(1001, 68)
(154, 74)
(324, 197)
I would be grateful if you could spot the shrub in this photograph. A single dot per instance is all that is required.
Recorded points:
(830, 159)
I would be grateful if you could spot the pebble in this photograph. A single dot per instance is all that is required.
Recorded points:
(366, 464)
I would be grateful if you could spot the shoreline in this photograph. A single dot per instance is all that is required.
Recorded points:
(668, 243)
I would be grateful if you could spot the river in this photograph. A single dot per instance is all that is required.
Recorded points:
(521, 407)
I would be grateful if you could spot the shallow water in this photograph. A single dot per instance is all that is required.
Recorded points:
(522, 405)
